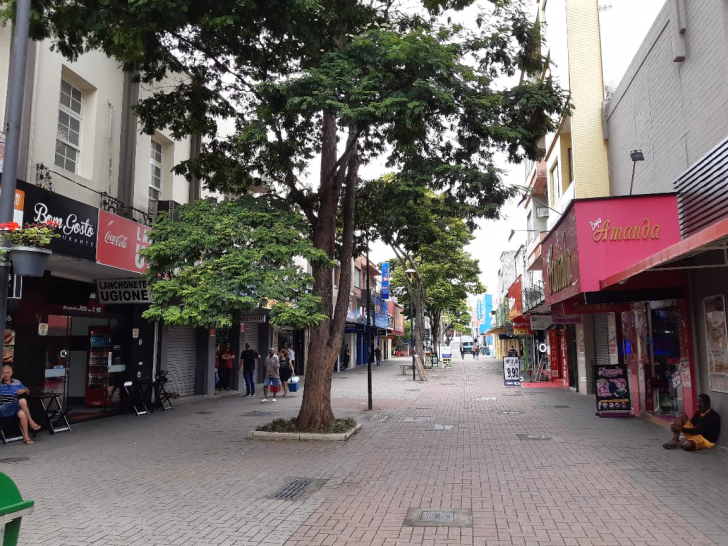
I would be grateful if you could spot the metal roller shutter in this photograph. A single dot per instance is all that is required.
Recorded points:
(252, 336)
(601, 339)
(182, 360)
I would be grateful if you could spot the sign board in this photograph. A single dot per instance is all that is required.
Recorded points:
(124, 291)
(613, 398)
(120, 241)
(253, 318)
(512, 371)
(385, 280)
(540, 322)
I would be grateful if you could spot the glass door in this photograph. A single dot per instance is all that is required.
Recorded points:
(57, 357)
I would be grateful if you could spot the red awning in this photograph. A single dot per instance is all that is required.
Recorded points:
(713, 238)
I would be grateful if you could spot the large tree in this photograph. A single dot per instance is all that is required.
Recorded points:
(325, 86)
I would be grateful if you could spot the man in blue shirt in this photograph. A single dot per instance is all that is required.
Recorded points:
(11, 405)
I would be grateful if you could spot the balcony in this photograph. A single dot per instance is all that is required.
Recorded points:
(533, 296)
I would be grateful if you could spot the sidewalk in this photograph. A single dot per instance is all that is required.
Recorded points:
(458, 444)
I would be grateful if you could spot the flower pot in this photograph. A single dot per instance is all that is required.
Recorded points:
(29, 261)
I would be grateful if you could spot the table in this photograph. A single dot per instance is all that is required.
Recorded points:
(54, 419)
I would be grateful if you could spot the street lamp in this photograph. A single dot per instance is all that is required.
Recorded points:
(410, 277)
(635, 156)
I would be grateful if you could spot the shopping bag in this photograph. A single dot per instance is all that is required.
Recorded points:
(293, 379)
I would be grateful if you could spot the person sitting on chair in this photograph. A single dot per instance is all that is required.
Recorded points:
(701, 432)
(11, 405)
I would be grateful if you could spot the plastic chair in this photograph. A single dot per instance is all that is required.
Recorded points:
(12, 510)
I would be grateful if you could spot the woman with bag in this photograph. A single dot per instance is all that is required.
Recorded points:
(286, 370)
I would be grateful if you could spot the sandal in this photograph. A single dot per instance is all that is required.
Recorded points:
(36, 428)
(28, 441)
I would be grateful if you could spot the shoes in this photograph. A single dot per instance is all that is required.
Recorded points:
(252, 395)
(672, 444)
(284, 394)
(264, 399)
(273, 399)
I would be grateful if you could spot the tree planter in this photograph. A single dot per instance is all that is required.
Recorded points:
(29, 261)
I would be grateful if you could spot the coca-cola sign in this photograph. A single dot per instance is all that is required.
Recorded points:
(78, 222)
(120, 241)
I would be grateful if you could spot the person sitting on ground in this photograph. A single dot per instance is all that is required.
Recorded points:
(701, 432)
(11, 405)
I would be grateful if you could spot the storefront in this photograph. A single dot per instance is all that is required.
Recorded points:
(594, 239)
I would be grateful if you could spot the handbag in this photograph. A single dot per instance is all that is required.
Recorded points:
(293, 379)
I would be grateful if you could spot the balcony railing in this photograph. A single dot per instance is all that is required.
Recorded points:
(533, 296)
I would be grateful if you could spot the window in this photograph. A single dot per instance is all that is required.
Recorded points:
(571, 165)
(155, 171)
(68, 136)
(555, 183)
(357, 277)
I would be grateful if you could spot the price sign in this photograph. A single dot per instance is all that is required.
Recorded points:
(511, 371)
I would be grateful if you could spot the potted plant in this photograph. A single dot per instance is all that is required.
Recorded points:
(27, 252)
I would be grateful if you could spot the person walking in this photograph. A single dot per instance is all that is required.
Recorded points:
(247, 366)
(378, 355)
(226, 367)
(286, 370)
(476, 351)
(272, 378)
(347, 356)
(291, 356)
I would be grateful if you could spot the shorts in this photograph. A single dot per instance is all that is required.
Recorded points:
(274, 381)
(10, 409)
(700, 441)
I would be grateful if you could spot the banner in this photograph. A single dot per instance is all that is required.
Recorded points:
(120, 241)
(385, 280)
(613, 398)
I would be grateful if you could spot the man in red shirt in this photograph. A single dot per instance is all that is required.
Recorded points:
(226, 367)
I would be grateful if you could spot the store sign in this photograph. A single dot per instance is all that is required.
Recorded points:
(540, 322)
(77, 222)
(385, 281)
(597, 238)
(120, 241)
(576, 308)
(511, 371)
(124, 291)
(515, 299)
(521, 326)
(613, 398)
(260, 319)
(558, 316)
(18, 203)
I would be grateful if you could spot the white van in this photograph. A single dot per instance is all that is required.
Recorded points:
(466, 342)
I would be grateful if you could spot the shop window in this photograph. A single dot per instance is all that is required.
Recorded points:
(357, 277)
(68, 133)
(555, 183)
(570, 152)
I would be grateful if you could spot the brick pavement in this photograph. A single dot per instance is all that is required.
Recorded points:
(191, 477)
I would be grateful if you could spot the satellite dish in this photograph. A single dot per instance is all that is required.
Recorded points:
(542, 348)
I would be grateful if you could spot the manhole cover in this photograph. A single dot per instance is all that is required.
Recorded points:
(414, 419)
(440, 517)
(203, 412)
(379, 417)
(562, 407)
(533, 437)
(296, 488)
(485, 398)
(14, 459)
(444, 427)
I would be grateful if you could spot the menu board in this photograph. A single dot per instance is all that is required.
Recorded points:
(511, 371)
(612, 391)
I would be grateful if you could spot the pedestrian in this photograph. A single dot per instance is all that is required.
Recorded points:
(217, 368)
(347, 356)
(701, 432)
(272, 378)
(476, 351)
(462, 352)
(247, 366)
(11, 405)
(286, 370)
(378, 355)
(226, 367)
(291, 356)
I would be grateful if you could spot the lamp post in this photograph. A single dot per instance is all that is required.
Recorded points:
(369, 331)
(635, 155)
(410, 277)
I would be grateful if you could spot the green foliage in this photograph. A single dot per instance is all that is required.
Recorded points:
(225, 259)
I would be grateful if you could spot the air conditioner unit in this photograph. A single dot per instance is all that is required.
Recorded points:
(542, 212)
(169, 207)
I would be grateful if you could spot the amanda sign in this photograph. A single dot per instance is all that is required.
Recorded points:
(597, 238)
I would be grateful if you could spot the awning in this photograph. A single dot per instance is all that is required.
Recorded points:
(714, 238)
(496, 330)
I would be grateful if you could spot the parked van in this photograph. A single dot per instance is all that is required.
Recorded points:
(466, 342)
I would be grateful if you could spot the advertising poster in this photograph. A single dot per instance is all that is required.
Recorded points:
(612, 391)
(512, 371)
(716, 342)
(385, 281)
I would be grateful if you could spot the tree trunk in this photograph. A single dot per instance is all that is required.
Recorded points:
(327, 336)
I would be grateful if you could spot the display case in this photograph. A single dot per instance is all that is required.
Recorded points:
(97, 371)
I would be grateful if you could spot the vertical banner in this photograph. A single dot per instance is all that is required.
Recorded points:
(512, 371)
(385, 280)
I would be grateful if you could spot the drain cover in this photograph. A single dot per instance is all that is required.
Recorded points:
(296, 488)
(341, 377)
(440, 517)
(510, 412)
(533, 437)
(414, 390)
(562, 407)
(379, 417)
(414, 419)
(444, 427)
(203, 412)
(14, 459)
(485, 398)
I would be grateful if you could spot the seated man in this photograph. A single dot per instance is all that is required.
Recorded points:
(11, 405)
(701, 432)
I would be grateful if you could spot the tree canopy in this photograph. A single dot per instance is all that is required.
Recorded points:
(324, 87)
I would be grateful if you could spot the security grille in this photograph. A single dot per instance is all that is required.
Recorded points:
(181, 360)
(297, 488)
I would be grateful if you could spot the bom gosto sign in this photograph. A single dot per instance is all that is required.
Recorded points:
(599, 237)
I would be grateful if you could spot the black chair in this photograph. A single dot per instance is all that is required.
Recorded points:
(134, 397)
(10, 430)
(162, 398)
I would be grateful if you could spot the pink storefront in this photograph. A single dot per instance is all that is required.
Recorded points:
(597, 238)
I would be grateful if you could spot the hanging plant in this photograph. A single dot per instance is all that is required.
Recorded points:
(37, 235)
